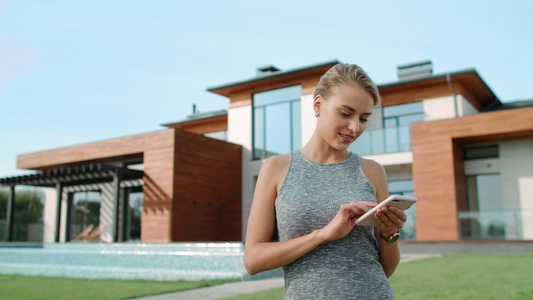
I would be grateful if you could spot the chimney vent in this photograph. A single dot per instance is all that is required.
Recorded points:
(266, 70)
(415, 70)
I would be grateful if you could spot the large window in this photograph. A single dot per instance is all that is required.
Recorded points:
(397, 117)
(405, 188)
(134, 211)
(27, 216)
(84, 211)
(276, 122)
(486, 217)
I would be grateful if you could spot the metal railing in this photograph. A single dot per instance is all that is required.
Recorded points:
(383, 140)
(492, 225)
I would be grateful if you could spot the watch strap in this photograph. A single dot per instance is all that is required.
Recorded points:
(391, 239)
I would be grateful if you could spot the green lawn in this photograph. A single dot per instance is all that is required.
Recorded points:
(29, 288)
(457, 276)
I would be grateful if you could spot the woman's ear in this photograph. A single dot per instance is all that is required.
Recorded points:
(317, 105)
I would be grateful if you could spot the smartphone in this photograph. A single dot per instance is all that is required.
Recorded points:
(403, 202)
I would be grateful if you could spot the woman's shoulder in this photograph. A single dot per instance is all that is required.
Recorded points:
(277, 162)
(372, 169)
(274, 170)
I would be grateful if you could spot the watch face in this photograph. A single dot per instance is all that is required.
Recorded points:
(394, 238)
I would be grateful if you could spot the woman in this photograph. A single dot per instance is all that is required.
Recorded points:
(323, 253)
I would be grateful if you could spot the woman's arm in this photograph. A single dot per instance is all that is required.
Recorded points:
(390, 219)
(260, 254)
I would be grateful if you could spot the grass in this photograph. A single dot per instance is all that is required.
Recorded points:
(37, 287)
(456, 276)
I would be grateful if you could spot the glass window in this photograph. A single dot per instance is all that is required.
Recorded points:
(486, 217)
(84, 211)
(396, 121)
(276, 122)
(477, 152)
(404, 110)
(484, 192)
(405, 187)
(28, 211)
(134, 213)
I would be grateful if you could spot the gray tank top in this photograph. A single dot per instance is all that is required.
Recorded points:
(308, 200)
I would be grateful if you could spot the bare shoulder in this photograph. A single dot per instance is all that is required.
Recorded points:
(278, 161)
(371, 167)
(275, 169)
(377, 176)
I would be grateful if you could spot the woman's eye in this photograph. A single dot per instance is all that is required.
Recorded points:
(344, 114)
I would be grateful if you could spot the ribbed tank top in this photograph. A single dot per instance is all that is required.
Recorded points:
(309, 198)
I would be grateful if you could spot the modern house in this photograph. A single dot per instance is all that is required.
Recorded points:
(447, 139)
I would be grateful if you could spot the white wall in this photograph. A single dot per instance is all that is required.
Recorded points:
(439, 108)
(49, 215)
(465, 107)
(308, 118)
(240, 132)
(444, 108)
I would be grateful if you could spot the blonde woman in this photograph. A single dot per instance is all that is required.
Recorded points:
(315, 194)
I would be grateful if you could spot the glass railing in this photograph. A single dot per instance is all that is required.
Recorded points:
(495, 225)
(383, 140)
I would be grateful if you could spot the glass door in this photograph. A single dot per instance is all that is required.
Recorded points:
(84, 213)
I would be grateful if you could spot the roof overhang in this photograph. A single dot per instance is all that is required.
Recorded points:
(467, 83)
(271, 79)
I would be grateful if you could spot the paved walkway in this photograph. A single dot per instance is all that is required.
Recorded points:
(245, 287)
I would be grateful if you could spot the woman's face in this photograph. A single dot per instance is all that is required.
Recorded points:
(343, 116)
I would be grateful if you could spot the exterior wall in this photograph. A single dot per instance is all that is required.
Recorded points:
(400, 158)
(207, 180)
(399, 172)
(465, 107)
(170, 184)
(439, 108)
(308, 117)
(438, 170)
(240, 132)
(517, 180)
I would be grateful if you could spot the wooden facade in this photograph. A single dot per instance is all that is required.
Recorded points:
(191, 186)
(438, 167)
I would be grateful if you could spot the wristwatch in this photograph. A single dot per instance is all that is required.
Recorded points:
(391, 239)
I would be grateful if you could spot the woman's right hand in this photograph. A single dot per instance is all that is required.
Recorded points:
(344, 221)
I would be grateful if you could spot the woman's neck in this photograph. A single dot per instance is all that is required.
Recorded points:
(323, 153)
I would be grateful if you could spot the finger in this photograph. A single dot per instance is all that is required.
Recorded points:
(350, 209)
(363, 206)
(390, 217)
(399, 213)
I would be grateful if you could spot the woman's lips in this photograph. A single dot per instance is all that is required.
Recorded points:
(347, 138)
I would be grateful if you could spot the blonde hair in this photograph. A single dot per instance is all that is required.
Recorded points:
(347, 74)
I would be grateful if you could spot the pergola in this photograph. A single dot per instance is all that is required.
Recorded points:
(61, 177)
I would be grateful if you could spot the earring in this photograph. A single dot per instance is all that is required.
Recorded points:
(316, 115)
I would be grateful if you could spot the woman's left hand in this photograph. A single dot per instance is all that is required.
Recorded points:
(391, 219)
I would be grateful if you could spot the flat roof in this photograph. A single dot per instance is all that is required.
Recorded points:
(200, 116)
(224, 89)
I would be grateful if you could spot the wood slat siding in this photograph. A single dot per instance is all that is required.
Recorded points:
(179, 168)
(438, 168)
(204, 126)
(207, 193)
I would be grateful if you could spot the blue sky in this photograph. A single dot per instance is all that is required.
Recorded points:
(74, 72)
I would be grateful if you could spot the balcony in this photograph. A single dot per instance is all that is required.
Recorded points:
(495, 225)
(383, 141)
